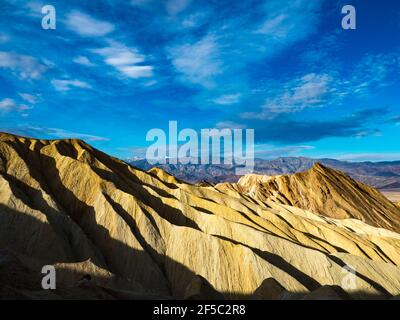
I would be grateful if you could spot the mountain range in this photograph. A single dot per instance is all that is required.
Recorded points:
(380, 175)
(113, 231)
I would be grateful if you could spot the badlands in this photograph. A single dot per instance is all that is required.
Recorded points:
(116, 232)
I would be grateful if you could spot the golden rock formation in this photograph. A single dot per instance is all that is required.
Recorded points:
(115, 232)
(323, 191)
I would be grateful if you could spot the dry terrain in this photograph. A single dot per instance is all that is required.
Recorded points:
(116, 232)
(392, 194)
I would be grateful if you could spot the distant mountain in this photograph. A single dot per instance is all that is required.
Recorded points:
(380, 175)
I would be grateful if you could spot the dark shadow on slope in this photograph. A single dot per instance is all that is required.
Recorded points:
(282, 264)
(58, 220)
(316, 239)
(21, 283)
(36, 243)
(171, 214)
(120, 259)
(206, 211)
(20, 232)
(136, 232)
(374, 284)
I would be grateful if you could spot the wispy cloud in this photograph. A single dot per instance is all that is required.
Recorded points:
(83, 60)
(308, 91)
(275, 27)
(287, 22)
(87, 26)
(32, 99)
(26, 67)
(34, 8)
(194, 20)
(126, 60)
(373, 70)
(197, 62)
(229, 125)
(7, 105)
(228, 99)
(64, 85)
(65, 134)
(327, 88)
(226, 48)
(322, 53)
(270, 151)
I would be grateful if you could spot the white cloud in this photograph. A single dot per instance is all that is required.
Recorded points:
(373, 70)
(194, 20)
(65, 134)
(228, 99)
(34, 8)
(270, 151)
(28, 97)
(229, 125)
(310, 90)
(136, 72)
(150, 83)
(125, 60)
(197, 62)
(289, 21)
(83, 61)
(275, 27)
(119, 55)
(7, 105)
(25, 66)
(88, 26)
(66, 85)
(24, 107)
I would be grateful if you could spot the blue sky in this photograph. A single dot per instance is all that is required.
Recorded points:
(112, 70)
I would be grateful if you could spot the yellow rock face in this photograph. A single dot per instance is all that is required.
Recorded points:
(113, 231)
(323, 191)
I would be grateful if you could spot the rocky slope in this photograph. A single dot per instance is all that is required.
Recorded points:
(323, 191)
(116, 232)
